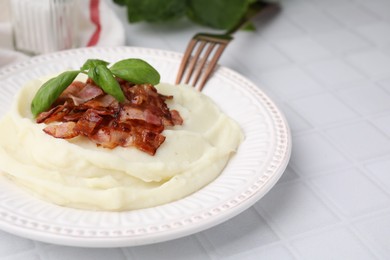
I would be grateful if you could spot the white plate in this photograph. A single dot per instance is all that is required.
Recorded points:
(249, 175)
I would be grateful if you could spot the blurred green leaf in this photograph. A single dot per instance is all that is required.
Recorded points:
(217, 14)
(155, 10)
(120, 2)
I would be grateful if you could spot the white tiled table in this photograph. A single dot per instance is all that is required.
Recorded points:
(327, 65)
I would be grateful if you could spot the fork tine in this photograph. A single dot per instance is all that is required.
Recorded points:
(194, 61)
(212, 65)
(202, 67)
(203, 62)
(185, 60)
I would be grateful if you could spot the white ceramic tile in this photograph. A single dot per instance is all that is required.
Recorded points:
(288, 175)
(294, 209)
(242, 233)
(334, 71)
(332, 244)
(327, 3)
(322, 109)
(278, 28)
(377, 33)
(383, 123)
(310, 18)
(377, 230)
(10, 244)
(149, 38)
(361, 140)
(269, 252)
(66, 253)
(290, 82)
(23, 256)
(350, 14)
(351, 192)
(302, 49)
(379, 170)
(175, 36)
(295, 121)
(363, 82)
(184, 248)
(378, 7)
(342, 41)
(361, 98)
(253, 50)
(385, 84)
(375, 64)
(311, 154)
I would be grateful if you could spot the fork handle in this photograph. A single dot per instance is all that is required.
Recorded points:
(262, 8)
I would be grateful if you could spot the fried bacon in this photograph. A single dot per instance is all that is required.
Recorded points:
(64, 130)
(87, 124)
(83, 109)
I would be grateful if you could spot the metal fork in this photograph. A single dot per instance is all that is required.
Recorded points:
(196, 64)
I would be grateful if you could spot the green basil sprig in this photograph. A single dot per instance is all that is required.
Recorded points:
(91, 63)
(134, 70)
(102, 76)
(140, 73)
(51, 90)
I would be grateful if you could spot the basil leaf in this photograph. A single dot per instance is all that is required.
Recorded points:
(120, 2)
(51, 90)
(219, 14)
(154, 10)
(249, 27)
(91, 63)
(102, 76)
(136, 71)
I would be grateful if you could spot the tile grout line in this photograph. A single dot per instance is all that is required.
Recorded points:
(345, 222)
(279, 233)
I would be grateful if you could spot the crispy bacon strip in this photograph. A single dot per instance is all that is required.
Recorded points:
(63, 130)
(83, 109)
(110, 138)
(88, 122)
(176, 118)
(128, 112)
(148, 141)
(55, 114)
(87, 93)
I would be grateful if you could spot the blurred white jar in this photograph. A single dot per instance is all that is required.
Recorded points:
(43, 26)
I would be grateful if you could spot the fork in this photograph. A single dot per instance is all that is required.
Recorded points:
(197, 67)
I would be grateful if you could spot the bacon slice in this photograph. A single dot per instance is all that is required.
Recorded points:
(72, 90)
(88, 122)
(73, 116)
(134, 113)
(84, 109)
(109, 137)
(176, 118)
(54, 115)
(148, 141)
(63, 130)
(145, 140)
(87, 93)
(104, 104)
(45, 115)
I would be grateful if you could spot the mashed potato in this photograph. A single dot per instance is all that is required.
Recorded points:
(77, 173)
